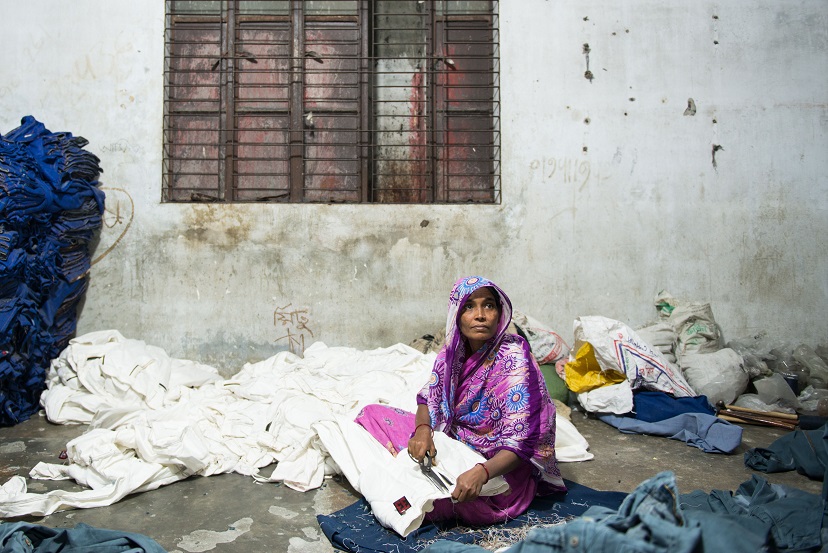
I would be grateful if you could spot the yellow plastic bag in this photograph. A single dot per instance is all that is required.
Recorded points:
(584, 373)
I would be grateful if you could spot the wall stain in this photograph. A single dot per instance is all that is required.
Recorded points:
(219, 225)
(587, 74)
(716, 148)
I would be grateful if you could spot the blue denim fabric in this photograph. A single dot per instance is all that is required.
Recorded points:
(50, 210)
(649, 520)
(706, 432)
(788, 517)
(651, 406)
(655, 518)
(805, 451)
(21, 537)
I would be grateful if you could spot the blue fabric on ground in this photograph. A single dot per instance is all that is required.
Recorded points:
(706, 432)
(355, 529)
(650, 406)
(655, 518)
(789, 518)
(21, 537)
(805, 451)
(51, 208)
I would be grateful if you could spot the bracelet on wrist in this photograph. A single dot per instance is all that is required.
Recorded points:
(423, 424)
(488, 477)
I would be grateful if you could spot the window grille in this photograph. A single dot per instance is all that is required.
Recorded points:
(384, 101)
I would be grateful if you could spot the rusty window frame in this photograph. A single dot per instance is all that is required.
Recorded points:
(397, 101)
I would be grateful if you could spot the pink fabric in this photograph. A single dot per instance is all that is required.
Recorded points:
(390, 426)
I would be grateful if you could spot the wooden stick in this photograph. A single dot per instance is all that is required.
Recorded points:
(754, 416)
(774, 414)
(728, 418)
(758, 422)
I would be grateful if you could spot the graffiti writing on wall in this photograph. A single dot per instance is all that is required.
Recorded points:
(118, 213)
(293, 322)
(566, 170)
(121, 146)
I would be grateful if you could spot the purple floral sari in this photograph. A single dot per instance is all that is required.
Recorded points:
(491, 400)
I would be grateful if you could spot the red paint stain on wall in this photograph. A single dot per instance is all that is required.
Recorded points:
(418, 137)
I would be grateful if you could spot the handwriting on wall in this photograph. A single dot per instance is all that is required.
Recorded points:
(118, 212)
(293, 322)
(562, 169)
(122, 146)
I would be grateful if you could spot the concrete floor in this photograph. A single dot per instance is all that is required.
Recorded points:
(230, 512)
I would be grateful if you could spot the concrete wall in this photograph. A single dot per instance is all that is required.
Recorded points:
(610, 192)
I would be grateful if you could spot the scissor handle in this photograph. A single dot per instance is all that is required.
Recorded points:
(427, 461)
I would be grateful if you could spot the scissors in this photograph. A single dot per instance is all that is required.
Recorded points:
(441, 483)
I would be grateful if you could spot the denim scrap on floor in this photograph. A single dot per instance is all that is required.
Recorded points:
(655, 518)
(706, 432)
(21, 537)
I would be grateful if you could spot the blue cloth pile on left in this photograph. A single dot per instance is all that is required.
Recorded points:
(51, 207)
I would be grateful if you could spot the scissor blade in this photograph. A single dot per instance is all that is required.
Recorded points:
(445, 479)
(435, 479)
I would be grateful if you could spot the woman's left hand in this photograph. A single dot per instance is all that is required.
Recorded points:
(469, 484)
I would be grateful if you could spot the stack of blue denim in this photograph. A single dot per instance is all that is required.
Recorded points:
(50, 210)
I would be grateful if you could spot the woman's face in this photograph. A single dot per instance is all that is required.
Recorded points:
(479, 317)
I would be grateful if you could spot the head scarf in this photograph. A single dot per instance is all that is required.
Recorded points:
(494, 398)
(455, 341)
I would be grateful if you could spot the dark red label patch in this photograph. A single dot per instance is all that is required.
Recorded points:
(402, 505)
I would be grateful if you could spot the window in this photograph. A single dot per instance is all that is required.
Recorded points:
(383, 101)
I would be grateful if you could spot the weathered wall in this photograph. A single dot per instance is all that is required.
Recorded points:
(610, 193)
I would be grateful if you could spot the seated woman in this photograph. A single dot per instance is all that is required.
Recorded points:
(487, 391)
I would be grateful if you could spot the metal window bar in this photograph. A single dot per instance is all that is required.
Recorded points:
(332, 101)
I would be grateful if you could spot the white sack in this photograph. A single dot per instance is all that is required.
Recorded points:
(547, 345)
(696, 329)
(618, 347)
(721, 375)
(662, 336)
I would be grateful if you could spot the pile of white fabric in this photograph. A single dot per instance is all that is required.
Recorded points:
(154, 420)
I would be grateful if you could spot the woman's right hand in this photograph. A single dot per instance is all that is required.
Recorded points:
(421, 442)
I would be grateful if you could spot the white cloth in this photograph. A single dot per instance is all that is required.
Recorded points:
(612, 398)
(384, 479)
(570, 445)
(720, 375)
(154, 420)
